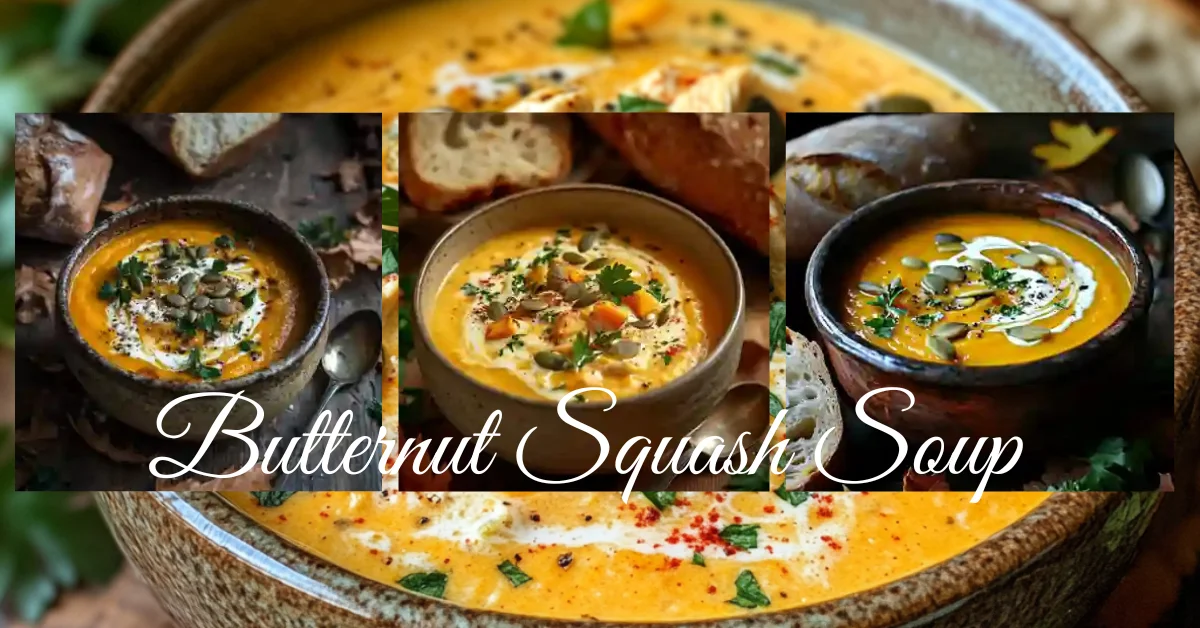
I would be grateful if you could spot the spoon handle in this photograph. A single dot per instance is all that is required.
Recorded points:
(330, 391)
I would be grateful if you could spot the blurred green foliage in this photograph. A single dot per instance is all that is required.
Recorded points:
(51, 54)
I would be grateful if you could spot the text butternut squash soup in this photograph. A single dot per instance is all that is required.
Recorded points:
(984, 290)
(682, 556)
(610, 55)
(188, 300)
(543, 311)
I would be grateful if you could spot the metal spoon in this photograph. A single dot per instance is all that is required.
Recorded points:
(744, 408)
(352, 351)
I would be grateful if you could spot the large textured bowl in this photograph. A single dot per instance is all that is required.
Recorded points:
(212, 567)
(137, 399)
(669, 411)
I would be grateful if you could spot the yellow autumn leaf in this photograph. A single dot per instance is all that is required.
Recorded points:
(1076, 143)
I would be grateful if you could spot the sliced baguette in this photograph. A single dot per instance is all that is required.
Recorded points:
(449, 159)
(207, 145)
(801, 381)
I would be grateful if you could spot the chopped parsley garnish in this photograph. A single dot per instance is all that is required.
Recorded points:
(108, 292)
(391, 265)
(589, 27)
(432, 583)
(248, 298)
(655, 288)
(581, 351)
(925, 320)
(512, 345)
(666, 358)
(794, 498)
(660, 499)
(518, 284)
(219, 265)
(473, 290)
(199, 369)
(883, 326)
(887, 300)
(1061, 304)
(628, 103)
(778, 326)
(996, 277)
(614, 280)
(508, 266)
(223, 242)
(323, 233)
(245, 345)
(548, 253)
(749, 594)
(741, 535)
(1011, 310)
(698, 559)
(271, 499)
(513, 573)
(776, 64)
(1116, 465)
(757, 481)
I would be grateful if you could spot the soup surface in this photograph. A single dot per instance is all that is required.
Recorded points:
(984, 289)
(188, 300)
(488, 54)
(543, 311)
(588, 555)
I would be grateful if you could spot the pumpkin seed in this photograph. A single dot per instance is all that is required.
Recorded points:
(953, 274)
(588, 241)
(1049, 260)
(533, 305)
(1029, 333)
(176, 312)
(952, 247)
(1025, 260)
(934, 283)
(135, 282)
(574, 292)
(964, 302)
(941, 348)
(164, 271)
(496, 310)
(900, 103)
(191, 316)
(914, 263)
(551, 360)
(895, 283)
(556, 271)
(587, 299)
(597, 264)
(574, 258)
(950, 331)
(663, 316)
(175, 300)
(200, 302)
(871, 287)
(625, 349)
(211, 278)
(947, 238)
(201, 251)
(976, 265)
(643, 323)
(976, 293)
(224, 307)
(170, 250)
(219, 290)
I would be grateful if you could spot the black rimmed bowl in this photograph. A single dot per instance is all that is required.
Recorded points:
(136, 399)
(669, 411)
(1041, 401)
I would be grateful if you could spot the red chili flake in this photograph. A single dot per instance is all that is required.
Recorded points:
(323, 514)
(713, 516)
(648, 516)
(895, 537)
(833, 545)
(711, 589)
(737, 519)
(679, 501)
(283, 517)
(769, 509)
(824, 511)
(374, 552)
(719, 497)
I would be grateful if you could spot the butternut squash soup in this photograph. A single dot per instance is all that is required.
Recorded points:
(615, 55)
(662, 556)
(188, 300)
(543, 311)
(984, 289)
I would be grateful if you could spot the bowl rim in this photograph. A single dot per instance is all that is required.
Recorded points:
(283, 230)
(1003, 555)
(736, 320)
(834, 331)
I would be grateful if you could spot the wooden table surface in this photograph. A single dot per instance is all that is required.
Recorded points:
(295, 177)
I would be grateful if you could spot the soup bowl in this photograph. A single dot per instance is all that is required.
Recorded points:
(670, 410)
(137, 398)
(1040, 400)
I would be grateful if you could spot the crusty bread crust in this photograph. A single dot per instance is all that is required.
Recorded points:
(716, 164)
(60, 179)
(170, 133)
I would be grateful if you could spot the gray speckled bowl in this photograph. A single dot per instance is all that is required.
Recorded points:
(212, 567)
(137, 399)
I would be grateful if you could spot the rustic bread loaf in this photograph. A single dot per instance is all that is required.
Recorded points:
(801, 381)
(60, 179)
(207, 145)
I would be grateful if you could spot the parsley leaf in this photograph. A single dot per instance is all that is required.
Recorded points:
(508, 266)
(776, 63)
(749, 594)
(473, 290)
(774, 404)
(548, 253)
(794, 498)
(1116, 465)
(883, 326)
(108, 292)
(512, 345)
(925, 320)
(996, 277)
(271, 499)
(248, 298)
(432, 584)
(1011, 310)
(614, 280)
(223, 242)
(660, 499)
(757, 481)
(197, 368)
(513, 573)
(887, 300)
(219, 265)
(741, 535)
(655, 288)
(698, 559)
(390, 264)
(581, 351)
(589, 27)
(778, 326)
(628, 103)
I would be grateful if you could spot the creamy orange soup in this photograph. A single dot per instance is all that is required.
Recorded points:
(488, 54)
(188, 300)
(544, 311)
(588, 555)
(984, 289)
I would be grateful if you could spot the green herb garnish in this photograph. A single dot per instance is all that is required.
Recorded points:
(698, 559)
(589, 27)
(774, 404)
(1011, 310)
(660, 499)
(508, 266)
(512, 345)
(996, 277)
(716, 18)
(925, 320)
(756, 481)
(432, 584)
(245, 345)
(778, 326)
(223, 242)
(248, 298)
(776, 64)
(1116, 465)
(219, 265)
(513, 573)
(518, 284)
(375, 410)
(473, 290)
(666, 358)
(581, 351)
(883, 326)
(390, 264)
(655, 288)
(628, 103)
(794, 498)
(108, 292)
(548, 253)
(887, 300)
(749, 594)
(741, 535)
(271, 499)
(197, 368)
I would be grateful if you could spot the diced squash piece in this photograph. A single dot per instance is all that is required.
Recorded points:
(537, 276)
(576, 275)
(503, 328)
(642, 303)
(606, 317)
(565, 327)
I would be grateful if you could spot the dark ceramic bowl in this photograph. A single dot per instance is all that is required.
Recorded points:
(1034, 400)
(137, 399)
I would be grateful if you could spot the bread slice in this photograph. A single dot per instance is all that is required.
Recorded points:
(801, 381)
(450, 159)
(207, 145)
